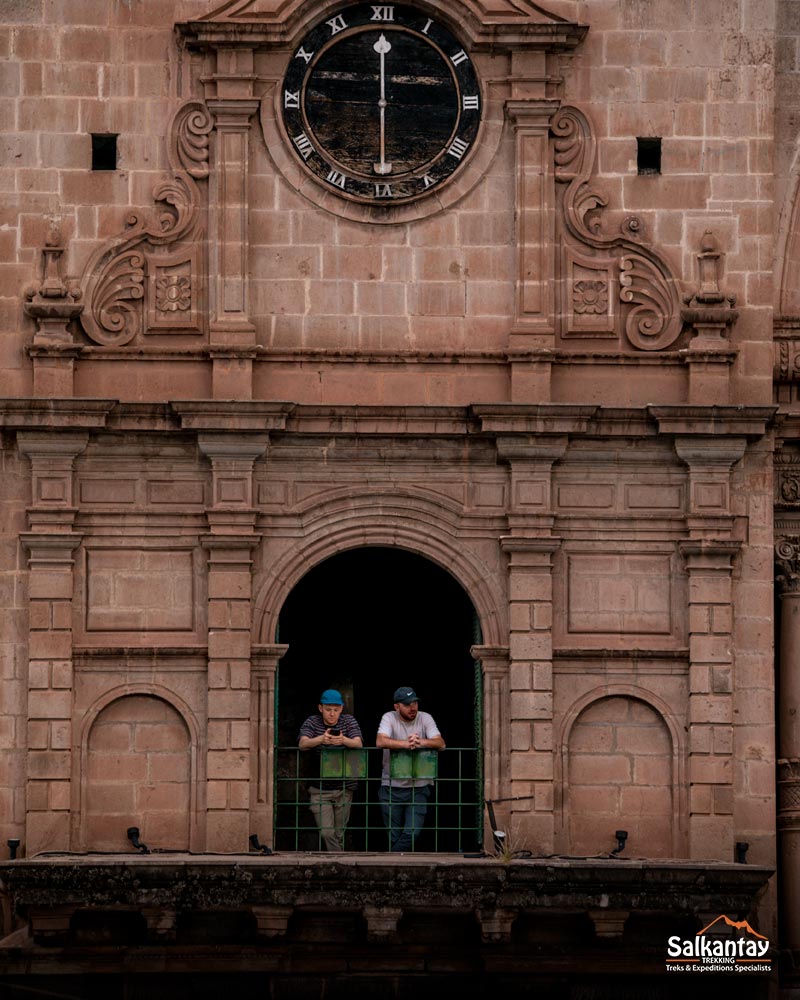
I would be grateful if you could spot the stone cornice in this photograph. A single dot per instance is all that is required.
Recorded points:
(232, 416)
(55, 413)
(749, 422)
(505, 25)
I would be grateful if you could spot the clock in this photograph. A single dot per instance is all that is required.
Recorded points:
(381, 104)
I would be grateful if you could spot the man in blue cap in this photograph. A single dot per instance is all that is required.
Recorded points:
(330, 800)
(404, 801)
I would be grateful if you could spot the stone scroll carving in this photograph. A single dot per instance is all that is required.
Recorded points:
(135, 283)
(787, 562)
(643, 284)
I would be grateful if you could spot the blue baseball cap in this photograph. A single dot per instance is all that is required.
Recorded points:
(405, 696)
(331, 697)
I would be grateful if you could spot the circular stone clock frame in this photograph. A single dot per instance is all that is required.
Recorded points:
(381, 104)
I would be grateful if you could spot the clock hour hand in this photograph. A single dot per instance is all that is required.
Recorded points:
(382, 46)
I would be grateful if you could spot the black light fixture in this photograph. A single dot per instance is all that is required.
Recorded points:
(13, 846)
(256, 846)
(742, 847)
(133, 837)
(622, 836)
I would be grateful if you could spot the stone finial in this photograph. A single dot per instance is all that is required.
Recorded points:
(709, 264)
(709, 311)
(54, 301)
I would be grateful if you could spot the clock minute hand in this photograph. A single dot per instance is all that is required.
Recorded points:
(382, 46)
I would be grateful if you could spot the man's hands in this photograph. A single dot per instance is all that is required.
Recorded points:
(414, 742)
(329, 740)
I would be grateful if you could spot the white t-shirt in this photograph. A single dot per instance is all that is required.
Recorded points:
(398, 729)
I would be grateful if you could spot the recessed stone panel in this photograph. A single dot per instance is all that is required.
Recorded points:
(108, 491)
(596, 496)
(628, 594)
(656, 496)
(170, 491)
(139, 590)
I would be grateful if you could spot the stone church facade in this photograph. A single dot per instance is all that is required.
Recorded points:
(298, 392)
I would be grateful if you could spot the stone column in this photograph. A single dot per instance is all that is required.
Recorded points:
(709, 556)
(788, 557)
(262, 739)
(230, 545)
(51, 543)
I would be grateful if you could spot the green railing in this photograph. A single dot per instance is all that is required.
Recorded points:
(453, 818)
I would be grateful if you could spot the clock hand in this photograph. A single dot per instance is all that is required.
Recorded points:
(382, 47)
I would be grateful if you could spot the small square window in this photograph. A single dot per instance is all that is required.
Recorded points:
(648, 156)
(104, 152)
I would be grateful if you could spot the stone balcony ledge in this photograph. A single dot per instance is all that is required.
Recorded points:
(353, 881)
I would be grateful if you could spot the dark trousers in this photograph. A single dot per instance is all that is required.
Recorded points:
(404, 814)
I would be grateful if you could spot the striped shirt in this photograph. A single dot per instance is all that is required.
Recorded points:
(315, 726)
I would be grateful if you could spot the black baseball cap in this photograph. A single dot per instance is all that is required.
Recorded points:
(405, 696)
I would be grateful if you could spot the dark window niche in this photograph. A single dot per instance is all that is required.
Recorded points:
(104, 152)
(648, 156)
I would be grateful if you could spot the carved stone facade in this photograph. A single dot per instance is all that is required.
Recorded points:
(529, 441)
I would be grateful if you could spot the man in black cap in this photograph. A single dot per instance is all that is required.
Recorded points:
(404, 801)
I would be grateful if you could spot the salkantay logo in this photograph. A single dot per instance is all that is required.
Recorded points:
(720, 949)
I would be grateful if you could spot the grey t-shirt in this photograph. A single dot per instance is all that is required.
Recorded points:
(398, 729)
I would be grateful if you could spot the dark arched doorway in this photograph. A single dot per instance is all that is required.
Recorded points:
(366, 621)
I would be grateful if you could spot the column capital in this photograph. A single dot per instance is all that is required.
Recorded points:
(709, 553)
(787, 557)
(265, 658)
(494, 659)
(532, 114)
(50, 546)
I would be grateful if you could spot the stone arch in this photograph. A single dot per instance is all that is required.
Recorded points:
(406, 519)
(630, 750)
(149, 738)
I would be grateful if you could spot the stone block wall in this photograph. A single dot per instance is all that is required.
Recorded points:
(466, 382)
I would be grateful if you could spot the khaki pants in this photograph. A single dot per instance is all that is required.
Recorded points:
(331, 810)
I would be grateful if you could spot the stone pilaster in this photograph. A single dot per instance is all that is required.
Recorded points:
(262, 738)
(496, 725)
(709, 554)
(230, 545)
(530, 549)
(787, 552)
(51, 543)
(231, 329)
(532, 337)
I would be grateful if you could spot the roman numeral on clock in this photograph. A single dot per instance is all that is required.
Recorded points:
(334, 177)
(470, 102)
(457, 148)
(382, 14)
(336, 24)
(383, 191)
(291, 98)
(303, 143)
(458, 57)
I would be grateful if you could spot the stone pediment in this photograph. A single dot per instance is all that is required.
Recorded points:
(489, 22)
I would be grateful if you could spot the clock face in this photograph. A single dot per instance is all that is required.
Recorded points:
(381, 103)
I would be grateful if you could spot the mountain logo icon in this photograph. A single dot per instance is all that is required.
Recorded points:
(739, 925)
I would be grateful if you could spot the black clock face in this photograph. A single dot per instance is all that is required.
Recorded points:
(381, 103)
